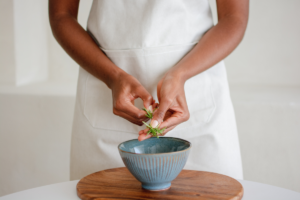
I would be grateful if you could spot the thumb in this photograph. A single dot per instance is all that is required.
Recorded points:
(159, 114)
(145, 96)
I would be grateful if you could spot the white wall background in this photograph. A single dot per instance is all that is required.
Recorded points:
(264, 75)
(36, 114)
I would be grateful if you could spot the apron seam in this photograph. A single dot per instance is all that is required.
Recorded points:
(142, 50)
(213, 99)
(145, 65)
(151, 47)
(85, 86)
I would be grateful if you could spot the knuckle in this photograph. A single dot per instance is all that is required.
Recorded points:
(139, 88)
(168, 100)
(149, 98)
(160, 115)
(186, 116)
(139, 116)
(118, 105)
(115, 111)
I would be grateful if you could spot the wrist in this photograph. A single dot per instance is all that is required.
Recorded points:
(178, 74)
(114, 76)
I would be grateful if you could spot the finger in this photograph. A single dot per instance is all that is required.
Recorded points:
(143, 131)
(147, 119)
(177, 115)
(132, 119)
(144, 137)
(159, 114)
(144, 95)
(175, 119)
(151, 107)
(154, 106)
(127, 108)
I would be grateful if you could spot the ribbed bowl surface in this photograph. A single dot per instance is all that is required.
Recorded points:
(156, 161)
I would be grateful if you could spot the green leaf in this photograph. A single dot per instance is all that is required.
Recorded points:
(154, 131)
(148, 114)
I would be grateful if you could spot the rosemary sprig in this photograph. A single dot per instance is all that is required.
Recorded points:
(154, 131)
(149, 113)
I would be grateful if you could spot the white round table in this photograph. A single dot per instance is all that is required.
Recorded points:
(67, 191)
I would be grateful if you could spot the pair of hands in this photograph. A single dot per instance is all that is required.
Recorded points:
(172, 109)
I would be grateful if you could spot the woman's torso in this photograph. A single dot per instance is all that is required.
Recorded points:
(146, 38)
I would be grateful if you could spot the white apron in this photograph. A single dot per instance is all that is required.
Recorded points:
(146, 38)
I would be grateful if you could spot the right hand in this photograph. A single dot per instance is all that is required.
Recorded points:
(125, 89)
(173, 108)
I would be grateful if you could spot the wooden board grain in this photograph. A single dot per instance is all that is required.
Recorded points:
(118, 183)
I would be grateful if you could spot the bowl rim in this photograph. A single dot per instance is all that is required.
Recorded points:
(156, 153)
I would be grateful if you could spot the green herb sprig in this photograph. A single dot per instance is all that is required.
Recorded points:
(154, 131)
(149, 113)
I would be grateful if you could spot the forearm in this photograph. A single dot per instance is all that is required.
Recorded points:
(214, 46)
(81, 47)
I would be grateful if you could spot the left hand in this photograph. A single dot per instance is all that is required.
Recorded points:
(173, 108)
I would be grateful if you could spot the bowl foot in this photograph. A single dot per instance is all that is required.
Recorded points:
(156, 186)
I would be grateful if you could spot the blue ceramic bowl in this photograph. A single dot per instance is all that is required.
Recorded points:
(155, 162)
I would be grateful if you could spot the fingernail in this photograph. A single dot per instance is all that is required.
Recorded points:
(154, 123)
(150, 108)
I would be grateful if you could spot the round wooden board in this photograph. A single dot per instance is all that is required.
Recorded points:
(118, 183)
